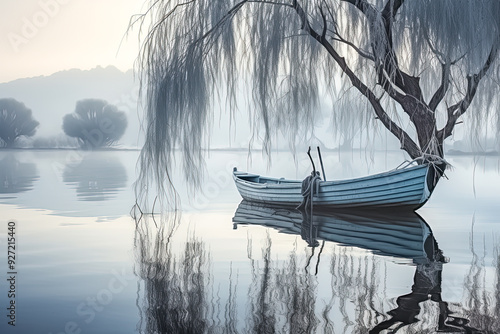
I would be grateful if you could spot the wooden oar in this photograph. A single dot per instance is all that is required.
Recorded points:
(309, 154)
(321, 162)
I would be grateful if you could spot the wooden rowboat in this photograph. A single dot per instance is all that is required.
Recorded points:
(404, 188)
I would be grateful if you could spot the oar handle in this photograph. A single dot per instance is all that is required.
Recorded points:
(321, 162)
(312, 162)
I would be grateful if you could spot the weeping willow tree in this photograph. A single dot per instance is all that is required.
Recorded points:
(418, 66)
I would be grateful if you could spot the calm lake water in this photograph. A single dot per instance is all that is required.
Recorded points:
(84, 265)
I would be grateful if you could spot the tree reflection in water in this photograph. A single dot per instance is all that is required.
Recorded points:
(96, 177)
(15, 176)
(426, 286)
(179, 293)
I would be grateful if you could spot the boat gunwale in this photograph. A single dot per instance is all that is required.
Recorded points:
(284, 192)
(330, 189)
(282, 182)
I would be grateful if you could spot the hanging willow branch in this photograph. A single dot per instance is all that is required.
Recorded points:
(428, 58)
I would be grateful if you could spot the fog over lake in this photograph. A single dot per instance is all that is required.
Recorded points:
(89, 248)
(229, 266)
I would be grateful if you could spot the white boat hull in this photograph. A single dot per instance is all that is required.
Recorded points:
(407, 188)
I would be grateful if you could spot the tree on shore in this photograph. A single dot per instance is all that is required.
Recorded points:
(418, 65)
(95, 123)
(16, 120)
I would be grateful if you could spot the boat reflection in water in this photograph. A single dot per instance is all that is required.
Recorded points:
(182, 290)
(402, 235)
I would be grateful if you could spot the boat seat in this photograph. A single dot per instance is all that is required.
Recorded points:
(249, 177)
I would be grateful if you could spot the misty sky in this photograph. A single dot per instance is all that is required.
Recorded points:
(41, 37)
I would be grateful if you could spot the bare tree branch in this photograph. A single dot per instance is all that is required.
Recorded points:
(325, 27)
(362, 53)
(229, 15)
(406, 142)
(443, 88)
(390, 10)
(458, 109)
(386, 61)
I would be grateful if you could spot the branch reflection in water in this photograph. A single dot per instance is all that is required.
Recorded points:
(179, 290)
(482, 303)
(176, 296)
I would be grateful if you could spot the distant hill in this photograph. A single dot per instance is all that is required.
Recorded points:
(52, 97)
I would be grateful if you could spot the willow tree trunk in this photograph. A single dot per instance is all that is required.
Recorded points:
(430, 145)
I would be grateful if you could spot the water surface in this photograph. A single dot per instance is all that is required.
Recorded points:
(229, 267)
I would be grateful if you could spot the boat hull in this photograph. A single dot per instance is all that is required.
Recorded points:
(405, 188)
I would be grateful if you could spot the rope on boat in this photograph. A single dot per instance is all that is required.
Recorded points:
(310, 187)
(436, 162)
